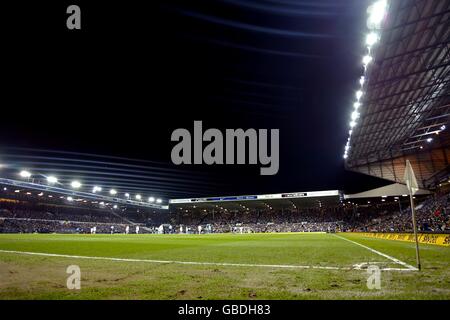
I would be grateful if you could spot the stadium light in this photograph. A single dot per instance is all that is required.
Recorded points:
(52, 180)
(377, 12)
(443, 127)
(25, 174)
(366, 60)
(112, 192)
(69, 199)
(371, 39)
(359, 94)
(96, 189)
(151, 199)
(158, 200)
(429, 140)
(138, 197)
(75, 184)
(115, 206)
(127, 195)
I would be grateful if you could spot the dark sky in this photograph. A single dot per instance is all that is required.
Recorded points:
(136, 72)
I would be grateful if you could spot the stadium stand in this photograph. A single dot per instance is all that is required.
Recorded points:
(27, 213)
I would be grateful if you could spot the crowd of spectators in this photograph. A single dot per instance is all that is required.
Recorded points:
(432, 216)
(26, 217)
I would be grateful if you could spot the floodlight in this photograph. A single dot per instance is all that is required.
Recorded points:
(138, 197)
(371, 39)
(25, 174)
(52, 179)
(429, 139)
(352, 124)
(75, 184)
(377, 13)
(127, 195)
(112, 192)
(69, 199)
(96, 189)
(151, 199)
(366, 60)
(355, 115)
(115, 206)
(158, 200)
(359, 94)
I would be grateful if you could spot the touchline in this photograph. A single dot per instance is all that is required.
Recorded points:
(235, 150)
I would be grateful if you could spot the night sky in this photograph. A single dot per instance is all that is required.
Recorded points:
(135, 72)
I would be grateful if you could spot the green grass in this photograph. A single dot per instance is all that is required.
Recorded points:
(43, 277)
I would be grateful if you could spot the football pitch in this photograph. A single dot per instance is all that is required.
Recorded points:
(219, 266)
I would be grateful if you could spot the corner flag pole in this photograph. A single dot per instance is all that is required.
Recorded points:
(413, 211)
(411, 183)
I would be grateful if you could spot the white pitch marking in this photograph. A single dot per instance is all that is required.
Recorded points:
(408, 266)
(174, 261)
(285, 266)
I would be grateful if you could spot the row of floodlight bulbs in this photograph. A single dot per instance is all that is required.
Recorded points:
(376, 15)
(77, 185)
(70, 199)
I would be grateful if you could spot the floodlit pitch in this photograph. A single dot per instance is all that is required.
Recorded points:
(219, 266)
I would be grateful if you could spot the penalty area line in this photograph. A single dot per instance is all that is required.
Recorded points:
(407, 266)
(280, 266)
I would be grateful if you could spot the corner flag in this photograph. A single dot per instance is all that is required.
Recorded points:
(410, 178)
(413, 187)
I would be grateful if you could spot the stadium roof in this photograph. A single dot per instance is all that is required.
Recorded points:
(78, 195)
(405, 104)
(281, 200)
(392, 190)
